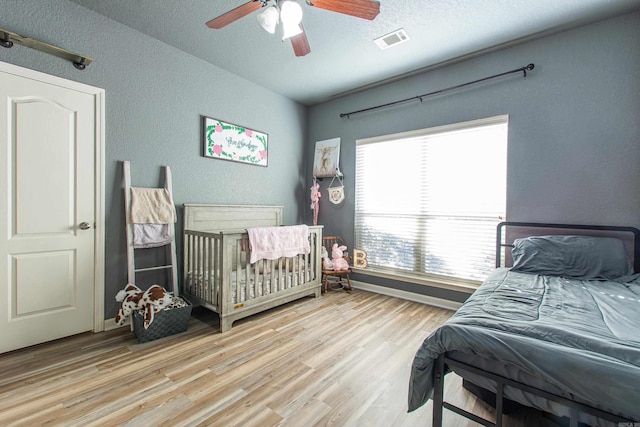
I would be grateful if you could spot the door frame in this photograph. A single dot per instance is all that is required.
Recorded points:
(99, 167)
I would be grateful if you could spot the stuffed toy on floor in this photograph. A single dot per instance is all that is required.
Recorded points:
(150, 301)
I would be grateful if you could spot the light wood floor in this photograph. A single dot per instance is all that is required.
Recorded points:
(338, 360)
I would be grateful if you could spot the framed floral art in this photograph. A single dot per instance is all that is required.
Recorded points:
(227, 141)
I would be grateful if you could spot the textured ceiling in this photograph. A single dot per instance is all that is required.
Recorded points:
(343, 56)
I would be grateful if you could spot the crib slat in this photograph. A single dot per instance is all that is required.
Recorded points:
(261, 278)
(187, 280)
(280, 284)
(307, 264)
(194, 273)
(247, 277)
(207, 267)
(293, 272)
(249, 284)
(256, 277)
(239, 272)
(315, 255)
(217, 269)
(192, 266)
(310, 259)
(188, 262)
(187, 255)
(272, 276)
(200, 267)
(212, 270)
(196, 266)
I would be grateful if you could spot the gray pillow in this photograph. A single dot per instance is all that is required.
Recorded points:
(579, 257)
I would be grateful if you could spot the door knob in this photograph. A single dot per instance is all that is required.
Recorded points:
(84, 226)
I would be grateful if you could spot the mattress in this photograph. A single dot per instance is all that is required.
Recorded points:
(575, 338)
(255, 287)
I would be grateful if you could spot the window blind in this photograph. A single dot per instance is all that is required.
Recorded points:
(428, 201)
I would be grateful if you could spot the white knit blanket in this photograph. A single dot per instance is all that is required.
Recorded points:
(276, 242)
(152, 206)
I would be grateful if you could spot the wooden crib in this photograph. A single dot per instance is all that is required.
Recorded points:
(217, 272)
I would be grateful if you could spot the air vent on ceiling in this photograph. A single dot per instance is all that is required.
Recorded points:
(392, 39)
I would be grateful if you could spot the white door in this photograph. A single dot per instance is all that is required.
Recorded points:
(48, 208)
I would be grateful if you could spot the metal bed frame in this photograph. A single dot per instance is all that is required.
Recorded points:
(501, 382)
(598, 228)
(443, 363)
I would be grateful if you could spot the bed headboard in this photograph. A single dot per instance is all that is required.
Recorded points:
(218, 218)
(508, 231)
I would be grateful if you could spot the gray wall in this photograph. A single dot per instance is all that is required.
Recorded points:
(574, 141)
(574, 128)
(155, 99)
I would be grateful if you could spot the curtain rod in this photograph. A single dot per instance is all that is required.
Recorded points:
(437, 92)
(7, 38)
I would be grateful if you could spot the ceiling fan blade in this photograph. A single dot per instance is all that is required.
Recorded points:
(235, 14)
(365, 9)
(300, 43)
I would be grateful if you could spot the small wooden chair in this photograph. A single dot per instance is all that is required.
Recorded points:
(332, 278)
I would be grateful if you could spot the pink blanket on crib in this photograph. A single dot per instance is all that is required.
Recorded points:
(276, 242)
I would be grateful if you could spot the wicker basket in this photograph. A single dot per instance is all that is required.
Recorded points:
(165, 323)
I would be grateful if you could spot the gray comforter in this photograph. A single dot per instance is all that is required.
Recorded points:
(582, 338)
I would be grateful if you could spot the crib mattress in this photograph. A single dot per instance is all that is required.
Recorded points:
(242, 291)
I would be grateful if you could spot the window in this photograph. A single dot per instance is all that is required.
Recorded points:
(428, 201)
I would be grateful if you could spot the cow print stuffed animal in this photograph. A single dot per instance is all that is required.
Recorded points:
(151, 301)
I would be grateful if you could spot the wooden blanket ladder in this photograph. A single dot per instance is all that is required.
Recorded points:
(132, 270)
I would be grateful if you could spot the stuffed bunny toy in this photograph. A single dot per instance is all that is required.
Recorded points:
(326, 261)
(337, 260)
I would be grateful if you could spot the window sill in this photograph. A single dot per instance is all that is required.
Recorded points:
(458, 285)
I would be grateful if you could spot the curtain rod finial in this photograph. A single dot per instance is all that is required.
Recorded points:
(80, 65)
(5, 42)
(527, 68)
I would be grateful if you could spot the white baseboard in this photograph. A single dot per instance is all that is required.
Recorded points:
(397, 293)
(110, 324)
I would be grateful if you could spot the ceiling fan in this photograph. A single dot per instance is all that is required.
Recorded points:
(289, 13)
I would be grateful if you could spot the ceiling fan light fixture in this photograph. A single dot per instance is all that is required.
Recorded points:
(268, 19)
(290, 12)
(291, 15)
(290, 30)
